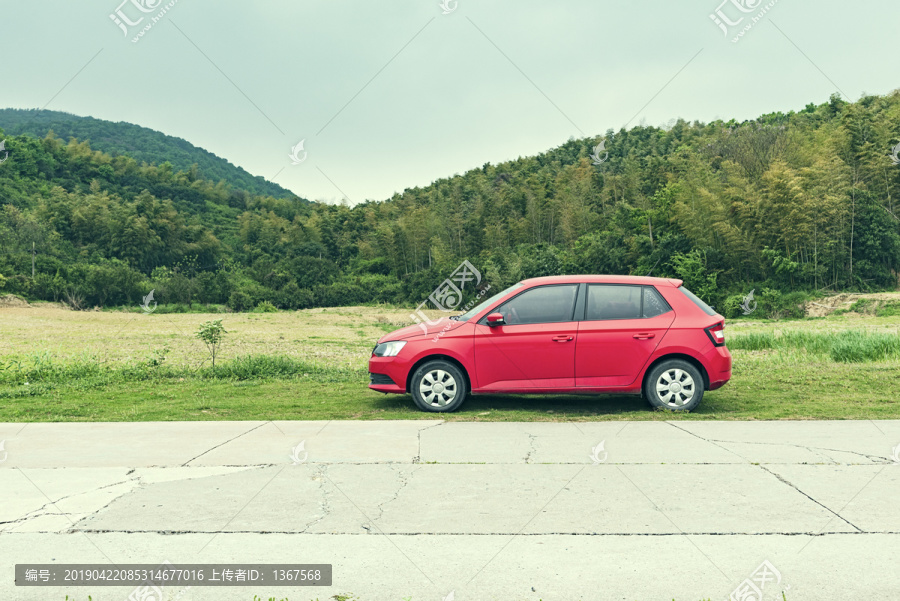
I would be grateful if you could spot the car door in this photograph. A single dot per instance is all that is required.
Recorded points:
(622, 326)
(535, 348)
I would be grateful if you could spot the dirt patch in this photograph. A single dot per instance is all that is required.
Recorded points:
(11, 300)
(829, 305)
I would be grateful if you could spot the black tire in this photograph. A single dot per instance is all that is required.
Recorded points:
(438, 386)
(668, 384)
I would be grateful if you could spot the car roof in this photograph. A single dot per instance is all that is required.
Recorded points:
(602, 279)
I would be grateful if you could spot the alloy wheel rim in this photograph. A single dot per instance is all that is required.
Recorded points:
(438, 388)
(675, 388)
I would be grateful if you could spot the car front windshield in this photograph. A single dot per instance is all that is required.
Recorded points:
(484, 304)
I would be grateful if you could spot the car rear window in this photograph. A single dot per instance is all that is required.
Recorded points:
(706, 308)
(654, 304)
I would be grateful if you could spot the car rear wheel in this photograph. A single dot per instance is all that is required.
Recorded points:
(675, 385)
(438, 386)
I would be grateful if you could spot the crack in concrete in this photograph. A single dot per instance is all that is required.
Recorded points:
(709, 441)
(404, 481)
(533, 446)
(326, 506)
(822, 505)
(39, 512)
(185, 464)
(778, 476)
(877, 459)
(136, 479)
(418, 457)
(87, 514)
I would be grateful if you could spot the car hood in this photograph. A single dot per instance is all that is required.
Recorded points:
(416, 329)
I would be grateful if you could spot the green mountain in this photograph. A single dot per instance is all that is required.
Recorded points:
(140, 143)
(786, 204)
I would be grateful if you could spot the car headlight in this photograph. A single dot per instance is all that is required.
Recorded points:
(388, 349)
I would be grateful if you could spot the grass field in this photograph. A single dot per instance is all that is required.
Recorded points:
(60, 365)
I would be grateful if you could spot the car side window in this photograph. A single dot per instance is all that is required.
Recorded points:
(544, 304)
(608, 301)
(654, 303)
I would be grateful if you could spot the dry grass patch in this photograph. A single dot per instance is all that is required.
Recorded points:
(340, 337)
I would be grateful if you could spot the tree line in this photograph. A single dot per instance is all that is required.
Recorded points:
(787, 204)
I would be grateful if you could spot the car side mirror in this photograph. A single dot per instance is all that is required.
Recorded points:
(496, 319)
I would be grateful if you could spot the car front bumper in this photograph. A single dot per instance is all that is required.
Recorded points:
(388, 374)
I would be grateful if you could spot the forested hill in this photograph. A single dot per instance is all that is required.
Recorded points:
(786, 204)
(140, 143)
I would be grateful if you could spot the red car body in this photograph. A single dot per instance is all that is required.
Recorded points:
(576, 356)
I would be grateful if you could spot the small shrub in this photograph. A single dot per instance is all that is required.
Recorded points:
(75, 300)
(240, 301)
(212, 333)
(265, 307)
(731, 307)
(777, 305)
(158, 357)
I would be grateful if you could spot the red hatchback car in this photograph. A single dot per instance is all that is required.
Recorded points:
(563, 334)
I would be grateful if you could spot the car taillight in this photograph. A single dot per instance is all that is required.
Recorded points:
(716, 333)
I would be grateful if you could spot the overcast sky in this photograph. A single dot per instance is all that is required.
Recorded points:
(395, 94)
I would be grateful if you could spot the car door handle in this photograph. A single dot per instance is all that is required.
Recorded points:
(562, 338)
(644, 336)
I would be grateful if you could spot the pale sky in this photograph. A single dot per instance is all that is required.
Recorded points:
(395, 94)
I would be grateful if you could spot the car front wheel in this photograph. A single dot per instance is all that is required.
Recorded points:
(675, 385)
(438, 386)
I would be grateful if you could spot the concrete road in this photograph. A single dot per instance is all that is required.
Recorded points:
(429, 510)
